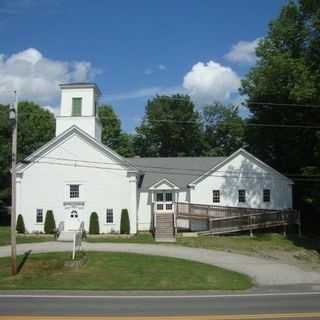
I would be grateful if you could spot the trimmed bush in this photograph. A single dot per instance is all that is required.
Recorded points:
(20, 225)
(125, 223)
(49, 223)
(94, 223)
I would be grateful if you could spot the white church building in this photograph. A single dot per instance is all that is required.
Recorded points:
(74, 175)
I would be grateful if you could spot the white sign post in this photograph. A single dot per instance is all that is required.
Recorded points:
(77, 237)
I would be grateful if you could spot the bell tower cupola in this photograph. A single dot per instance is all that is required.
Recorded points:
(78, 107)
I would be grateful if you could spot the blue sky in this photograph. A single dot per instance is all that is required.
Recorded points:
(131, 49)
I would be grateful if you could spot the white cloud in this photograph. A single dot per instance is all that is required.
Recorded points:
(205, 83)
(208, 82)
(159, 67)
(162, 67)
(148, 71)
(143, 93)
(243, 52)
(53, 110)
(36, 77)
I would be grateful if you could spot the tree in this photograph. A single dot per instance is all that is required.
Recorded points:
(20, 225)
(288, 73)
(224, 129)
(49, 223)
(5, 141)
(111, 125)
(112, 135)
(94, 224)
(36, 126)
(171, 127)
(125, 222)
(285, 73)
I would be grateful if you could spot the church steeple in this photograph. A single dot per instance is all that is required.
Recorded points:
(79, 107)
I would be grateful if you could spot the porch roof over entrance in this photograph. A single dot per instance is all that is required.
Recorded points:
(179, 170)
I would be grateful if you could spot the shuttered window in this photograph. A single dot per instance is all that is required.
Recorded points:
(76, 107)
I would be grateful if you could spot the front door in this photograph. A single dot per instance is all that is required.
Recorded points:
(73, 220)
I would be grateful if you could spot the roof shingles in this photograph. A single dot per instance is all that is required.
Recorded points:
(179, 170)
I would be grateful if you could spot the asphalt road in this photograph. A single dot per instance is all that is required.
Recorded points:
(300, 305)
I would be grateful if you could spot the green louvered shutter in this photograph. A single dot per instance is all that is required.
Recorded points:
(76, 107)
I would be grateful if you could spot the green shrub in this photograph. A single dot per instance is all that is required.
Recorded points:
(125, 223)
(49, 223)
(20, 225)
(94, 223)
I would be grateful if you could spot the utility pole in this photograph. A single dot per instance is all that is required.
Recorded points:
(13, 116)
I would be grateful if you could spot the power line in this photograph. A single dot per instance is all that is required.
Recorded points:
(284, 104)
(308, 126)
(254, 102)
(196, 171)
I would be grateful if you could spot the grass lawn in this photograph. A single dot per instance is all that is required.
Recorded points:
(272, 245)
(142, 237)
(5, 237)
(291, 249)
(119, 271)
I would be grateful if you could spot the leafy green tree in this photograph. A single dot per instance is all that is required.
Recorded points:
(36, 126)
(112, 134)
(124, 222)
(20, 225)
(49, 223)
(171, 127)
(5, 140)
(224, 129)
(94, 224)
(111, 125)
(286, 73)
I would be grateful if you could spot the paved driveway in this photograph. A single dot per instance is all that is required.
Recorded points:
(263, 271)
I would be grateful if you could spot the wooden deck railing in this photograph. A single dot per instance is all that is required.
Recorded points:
(232, 219)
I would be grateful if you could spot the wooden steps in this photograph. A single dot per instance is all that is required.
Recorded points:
(164, 227)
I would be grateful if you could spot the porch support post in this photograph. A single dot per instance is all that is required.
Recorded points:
(133, 204)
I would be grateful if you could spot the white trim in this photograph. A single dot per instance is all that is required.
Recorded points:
(232, 156)
(68, 134)
(164, 180)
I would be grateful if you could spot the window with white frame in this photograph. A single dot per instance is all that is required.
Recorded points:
(216, 196)
(74, 191)
(164, 201)
(39, 216)
(242, 195)
(266, 195)
(109, 216)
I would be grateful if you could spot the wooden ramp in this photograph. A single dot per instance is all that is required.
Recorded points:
(223, 220)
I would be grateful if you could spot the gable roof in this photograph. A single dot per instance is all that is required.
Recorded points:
(246, 154)
(178, 170)
(166, 182)
(66, 134)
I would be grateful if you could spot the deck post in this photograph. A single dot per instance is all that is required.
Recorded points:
(250, 223)
(299, 224)
(284, 230)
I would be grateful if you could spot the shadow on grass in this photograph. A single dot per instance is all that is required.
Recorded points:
(305, 242)
(23, 261)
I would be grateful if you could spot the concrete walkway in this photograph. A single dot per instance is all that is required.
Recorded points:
(263, 271)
